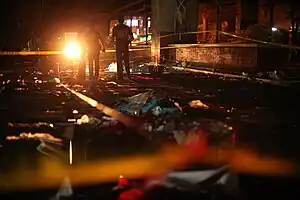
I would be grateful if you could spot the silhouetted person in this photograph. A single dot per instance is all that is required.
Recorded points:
(122, 36)
(94, 44)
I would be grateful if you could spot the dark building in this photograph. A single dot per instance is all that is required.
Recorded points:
(249, 13)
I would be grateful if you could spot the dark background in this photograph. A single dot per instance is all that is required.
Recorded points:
(40, 15)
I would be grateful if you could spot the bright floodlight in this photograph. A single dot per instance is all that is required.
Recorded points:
(73, 51)
(274, 29)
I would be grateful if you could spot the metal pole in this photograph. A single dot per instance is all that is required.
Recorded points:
(146, 28)
(218, 21)
(131, 18)
(156, 28)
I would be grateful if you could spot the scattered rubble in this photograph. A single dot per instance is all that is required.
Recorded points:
(164, 117)
(38, 136)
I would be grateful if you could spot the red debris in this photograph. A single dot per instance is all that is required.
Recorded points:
(132, 194)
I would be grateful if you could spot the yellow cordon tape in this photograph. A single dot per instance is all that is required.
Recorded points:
(228, 75)
(28, 53)
(144, 48)
(46, 53)
(25, 53)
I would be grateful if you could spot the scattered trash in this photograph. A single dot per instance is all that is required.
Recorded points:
(95, 122)
(112, 67)
(30, 125)
(133, 105)
(65, 190)
(272, 75)
(108, 121)
(53, 150)
(38, 136)
(147, 102)
(167, 117)
(112, 82)
(198, 104)
(83, 120)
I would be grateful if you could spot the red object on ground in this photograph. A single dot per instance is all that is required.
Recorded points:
(146, 78)
(197, 144)
(132, 194)
(123, 181)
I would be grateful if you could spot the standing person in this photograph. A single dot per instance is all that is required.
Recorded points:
(122, 36)
(94, 44)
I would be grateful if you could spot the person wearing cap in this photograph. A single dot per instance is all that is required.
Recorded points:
(122, 36)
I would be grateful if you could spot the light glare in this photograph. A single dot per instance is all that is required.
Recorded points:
(73, 50)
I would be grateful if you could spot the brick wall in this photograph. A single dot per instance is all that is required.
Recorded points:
(240, 55)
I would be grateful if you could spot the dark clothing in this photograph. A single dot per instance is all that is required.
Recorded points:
(94, 56)
(122, 54)
(92, 39)
(122, 35)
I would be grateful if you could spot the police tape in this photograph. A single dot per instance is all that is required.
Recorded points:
(261, 42)
(224, 44)
(174, 46)
(228, 44)
(46, 53)
(29, 53)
